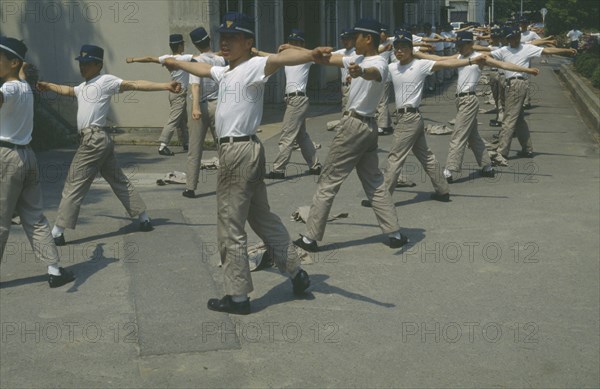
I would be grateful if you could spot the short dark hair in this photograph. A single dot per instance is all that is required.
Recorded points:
(175, 46)
(10, 56)
(204, 44)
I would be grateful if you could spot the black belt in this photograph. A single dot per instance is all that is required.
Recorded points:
(206, 100)
(90, 130)
(407, 109)
(516, 78)
(295, 94)
(465, 94)
(12, 145)
(345, 83)
(357, 116)
(234, 139)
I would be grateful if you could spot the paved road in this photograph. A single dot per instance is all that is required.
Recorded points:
(499, 288)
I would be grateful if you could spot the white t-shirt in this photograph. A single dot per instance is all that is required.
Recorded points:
(241, 96)
(178, 75)
(16, 114)
(364, 95)
(296, 77)
(93, 100)
(574, 35)
(521, 56)
(468, 76)
(437, 46)
(209, 89)
(409, 80)
(528, 36)
(346, 53)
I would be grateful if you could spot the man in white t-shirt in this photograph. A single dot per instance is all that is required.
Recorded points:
(95, 153)
(204, 105)
(573, 37)
(465, 127)
(20, 189)
(355, 144)
(178, 116)
(516, 91)
(408, 76)
(348, 50)
(294, 119)
(526, 34)
(241, 190)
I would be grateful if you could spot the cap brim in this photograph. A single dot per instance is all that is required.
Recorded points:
(84, 59)
(234, 31)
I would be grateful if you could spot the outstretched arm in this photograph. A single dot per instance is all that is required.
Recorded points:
(489, 61)
(422, 55)
(199, 69)
(295, 57)
(457, 63)
(150, 86)
(63, 90)
(557, 51)
(142, 59)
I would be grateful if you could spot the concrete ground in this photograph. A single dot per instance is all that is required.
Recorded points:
(498, 288)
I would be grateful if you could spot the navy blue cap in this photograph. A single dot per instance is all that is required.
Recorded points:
(89, 53)
(496, 32)
(464, 37)
(367, 26)
(510, 32)
(235, 22)
(175, 39)
(346, 33)
(13, 46)
(198, 35)
(403, 37)
(296, 35)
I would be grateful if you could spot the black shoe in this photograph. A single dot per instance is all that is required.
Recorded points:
(488, 173)
(405, 184)
(301, 282)
(226, 304)
(527, 106)
(366, 204)
(165, 151)
(525, 154)
(275, 175)
(190, 194)
(60, 240)
(396, 243)
(310, 247)
(449, 180)
(146, 226)
(265, 262)
(443, 198)
(64, 278)
(315, 171)
(495, 123)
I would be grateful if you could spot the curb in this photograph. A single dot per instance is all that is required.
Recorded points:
(588, 103)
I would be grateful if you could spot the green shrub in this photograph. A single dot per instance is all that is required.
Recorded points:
(586, 64)
(596, 77)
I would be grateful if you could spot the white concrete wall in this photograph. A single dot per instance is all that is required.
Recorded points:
(54, 31)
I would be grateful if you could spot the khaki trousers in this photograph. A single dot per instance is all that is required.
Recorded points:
(384, 119)
(198, 131)
(465, 132)
(294, 128)
(354, 146)
(178, 118)
(345, 93)
(96, 154)
(514, 118)
(241, 197)
(497, 86)
(21, 193)
(409, 134)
